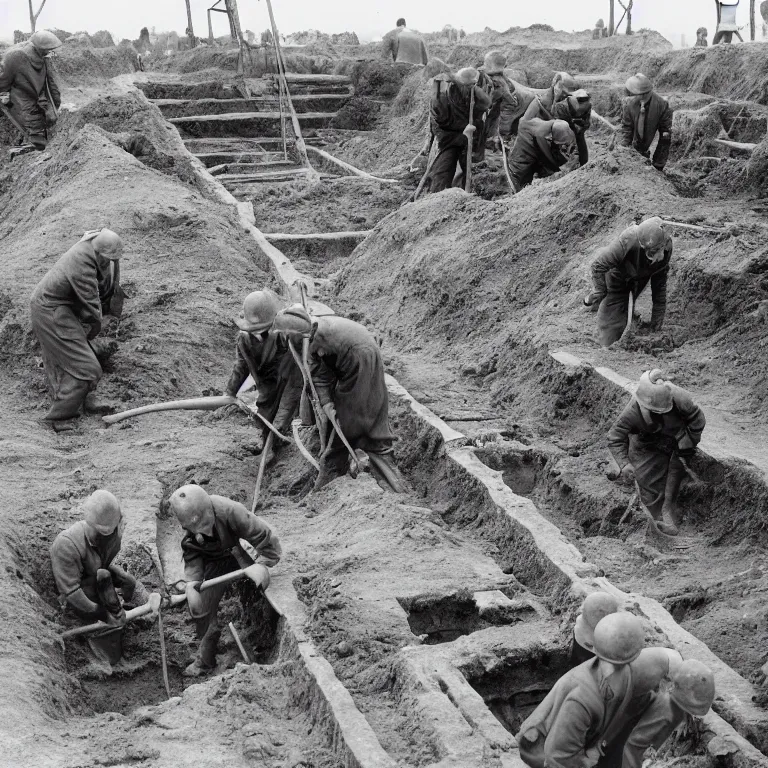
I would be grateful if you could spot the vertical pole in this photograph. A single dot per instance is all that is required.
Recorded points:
(210, 28)
(629, 17)
(611, 19)
(751, 19)
(190, 29)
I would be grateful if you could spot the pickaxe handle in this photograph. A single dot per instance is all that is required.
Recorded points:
(355, 463)
(470, 141)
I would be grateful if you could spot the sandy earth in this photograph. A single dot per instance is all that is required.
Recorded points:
(469, 296)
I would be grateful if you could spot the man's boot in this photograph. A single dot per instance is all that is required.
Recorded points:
(68, 399)
(671, 511)
(334, 465)
(205, 660)
(386, 473)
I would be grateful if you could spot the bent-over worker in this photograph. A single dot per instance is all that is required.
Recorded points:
(645, 114)
(639, 255)
(539, 148)
(456, 133)
(584, 711)
(28, 88)
(596, 606)
(691, 695)
(576, 110)
(346, 367)
(211, 547)
(83, 284)
(82, 560)
(660, 425)
(504, 101)
(405, 46)
(563, 85)
(268, 360)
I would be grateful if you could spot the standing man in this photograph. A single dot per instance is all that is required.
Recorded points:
(576, 110)
(267, 359)
(504, 101)
(82, 559)
(540, 147)
(28, 88)
(213, 528)
(82, 284)
(585, 709)
(638, 256)
(660, 425)
(456, 132)
(405, 46)
(346, 367)
(644, 115)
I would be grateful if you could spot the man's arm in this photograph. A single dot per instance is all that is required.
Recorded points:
(661, 155)
(659, 296)
(654, 728)
(257, 533)
(8, 70)
(618, 435)
(694, 417)
(607, 258)
(67, 569)
(627, 125)
(566, 740)
(194, 567)
(240, 371)
(533, 110)
(84, 281)
(324, 378)
(52, 85)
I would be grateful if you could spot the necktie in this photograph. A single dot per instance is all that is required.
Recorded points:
(641, 123)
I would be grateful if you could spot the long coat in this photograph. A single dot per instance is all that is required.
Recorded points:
(71, 292)
(24, 73)
(657, 119)
(347, 369)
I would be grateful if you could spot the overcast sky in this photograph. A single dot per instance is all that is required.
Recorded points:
(369, 18)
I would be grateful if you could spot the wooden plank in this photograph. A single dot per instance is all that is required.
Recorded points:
(277, 237)
(240, 116)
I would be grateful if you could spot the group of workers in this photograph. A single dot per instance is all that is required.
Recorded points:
(618, 699)
(474, 110)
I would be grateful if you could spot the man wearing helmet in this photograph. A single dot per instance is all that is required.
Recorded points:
(691, 695)
(82, 559)
(660, 424)
(81, 287)
(455, 130)
(346, 367)
(644, 115)
(503, 98)
(638, 256)
(211, 547)
(584, 712)
(597, 605)
(267, 359)
(540, 147)
(563, 86)
(28, 88)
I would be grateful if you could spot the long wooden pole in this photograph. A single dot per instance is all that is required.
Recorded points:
(190, 28)
(751, 19)
(611, 18)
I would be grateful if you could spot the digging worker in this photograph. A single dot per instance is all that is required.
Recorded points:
(576, 110)
(596, 606)
(28, 88)
(691, 695)
(584, 711)
(405, 46)
(655, 434)
(82, 285)
(348, 373)
(563, 85)
(456, 133)
(82, 559)
(211, 547)
(267, 359)
(644, 115)
(504, 102)
(620, 272)
(540, 147)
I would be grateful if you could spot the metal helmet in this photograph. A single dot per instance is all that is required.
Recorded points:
(108, 244)
(653, 392)
(651, 234)
(102, 512)
(192, 507)
(693, 687)
(580, 101)
(562, 133)
(639, 85)
(619, 638)
(294, 319)
(596, 606)
(45, 41)
(259, 310)
(494, 62)
(467, 76)
(652, 666)
(568, 84)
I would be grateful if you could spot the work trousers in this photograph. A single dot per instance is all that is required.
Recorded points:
(451, 150)
(659, 474)
(613, 309)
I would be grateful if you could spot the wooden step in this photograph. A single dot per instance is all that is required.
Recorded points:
(209, 159)
(304, 103)
(297, 77)
(244, 144)
(213, 89)
(250, 168)
(246, 123)
(257, 178)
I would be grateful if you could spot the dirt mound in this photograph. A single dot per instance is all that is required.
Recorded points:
(80, 65)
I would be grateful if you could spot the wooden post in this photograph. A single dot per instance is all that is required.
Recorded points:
(751, 19)
(629, 17)
(190, 28)
(33, 16)
(611, 19)
(210, 28)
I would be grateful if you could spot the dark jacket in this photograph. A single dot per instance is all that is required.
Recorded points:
(685, 417)
(23, 74)
(406, 46)
(583, 710)
(449, 108)
(631, 269)
(525, 95)
(658, 119)
(504, 102)
(232, 522)
(579, 124)
(655, 727)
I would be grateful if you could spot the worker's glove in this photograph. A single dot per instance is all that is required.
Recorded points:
(469, 132)
(95, 330)
(5, 99)
(627, 474)
(591, 757)
(116, 619)
(592, 300)
(329, 411)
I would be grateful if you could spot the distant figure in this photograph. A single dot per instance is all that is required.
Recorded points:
(599, 30)
(405, 46)
(266, 37)
(701, 38)
(463, 34)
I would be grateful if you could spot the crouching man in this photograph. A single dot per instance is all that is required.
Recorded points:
(82, 558)
(211, 547)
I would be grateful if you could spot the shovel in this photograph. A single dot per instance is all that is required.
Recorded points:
(470, 139)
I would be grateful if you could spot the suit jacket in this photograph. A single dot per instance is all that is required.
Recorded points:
(658, 119)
